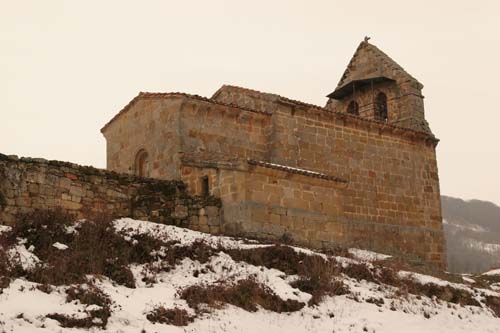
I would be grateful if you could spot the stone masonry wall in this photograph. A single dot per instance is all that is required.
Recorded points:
(28, 184)
(391, 202)
(268, 203)
(214, 132)
(150, 124)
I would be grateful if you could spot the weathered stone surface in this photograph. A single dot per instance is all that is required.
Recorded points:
(32, 184)
(389, 200)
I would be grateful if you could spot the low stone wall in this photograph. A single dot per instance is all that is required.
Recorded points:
(28, 184)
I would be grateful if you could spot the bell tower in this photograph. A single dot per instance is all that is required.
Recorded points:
(374, 86)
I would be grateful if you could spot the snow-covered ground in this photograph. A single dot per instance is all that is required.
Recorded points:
(23, 307)
(493, 272)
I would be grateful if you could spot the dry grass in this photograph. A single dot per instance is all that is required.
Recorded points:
(97, 249)
(494, 304)
(89, 295)
(41, 229)
(280, 257)
(94, 249)
(245, 294)
(315, 273)
(175, 316)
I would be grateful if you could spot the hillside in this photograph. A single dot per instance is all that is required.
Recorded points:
(134, 276)
(472, 231)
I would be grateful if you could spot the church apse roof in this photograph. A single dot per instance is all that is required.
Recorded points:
(149, 95)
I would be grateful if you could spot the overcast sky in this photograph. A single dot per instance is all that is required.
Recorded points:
(66, 67)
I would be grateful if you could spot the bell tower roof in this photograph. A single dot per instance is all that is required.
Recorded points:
(369, 64)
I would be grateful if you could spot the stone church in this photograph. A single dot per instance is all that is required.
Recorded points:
(360, 171)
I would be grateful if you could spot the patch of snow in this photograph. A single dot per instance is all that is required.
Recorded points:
(71, 229)
(365, 255)
(93, 307)
(467, 279)
(22, 256)
(130, 227)
(60, 246)
(341, 314)
(493, 272)
(4, 228)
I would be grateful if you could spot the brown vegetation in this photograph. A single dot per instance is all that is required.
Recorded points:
(87, 294)
(245, 294)
(96, 248)
(315, 272)
(175, 316)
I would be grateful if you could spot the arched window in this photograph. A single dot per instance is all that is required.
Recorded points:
(142, 163)
(353, 108)
(381, 107)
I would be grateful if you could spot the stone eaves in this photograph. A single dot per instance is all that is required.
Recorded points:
(294, 170)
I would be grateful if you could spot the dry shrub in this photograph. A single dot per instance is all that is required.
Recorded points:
(280, 257)
(359, 271)
(377, 301)
(337, 251)
(8, 269)
(41, 229)
(95, 249)
(494, 304)
(316, 278)
(199, 251)
(444, 293)
(175, 316)
(315, 272)
(246, 294)
(72, 321)
(318, 288)
(88, 295)
(45, 288)
(5, 269)
(389, 276)
(485, 281)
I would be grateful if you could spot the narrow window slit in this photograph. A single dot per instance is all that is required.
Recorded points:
(205, 189)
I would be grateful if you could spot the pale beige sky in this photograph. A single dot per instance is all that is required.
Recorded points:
(66, 67)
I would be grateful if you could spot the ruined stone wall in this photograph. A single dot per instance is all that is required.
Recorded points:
(29, 184)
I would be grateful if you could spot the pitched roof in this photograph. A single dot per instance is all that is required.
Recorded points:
(277, 98)
(263, 95)
(370, 62)
(146, 95)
